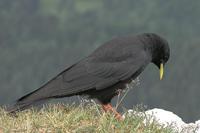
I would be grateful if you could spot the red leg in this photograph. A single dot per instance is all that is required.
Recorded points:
(108, 107)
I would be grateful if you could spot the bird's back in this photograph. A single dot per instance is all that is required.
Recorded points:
(118, 49)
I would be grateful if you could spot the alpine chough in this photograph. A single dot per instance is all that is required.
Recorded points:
(104, 72)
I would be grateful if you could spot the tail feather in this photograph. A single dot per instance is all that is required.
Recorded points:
(55, 88)
(41, 94)
(17, 107)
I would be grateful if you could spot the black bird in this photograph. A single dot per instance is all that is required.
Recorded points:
(104, 72)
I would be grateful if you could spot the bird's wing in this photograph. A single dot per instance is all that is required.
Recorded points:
(100, 75)
(87, 75)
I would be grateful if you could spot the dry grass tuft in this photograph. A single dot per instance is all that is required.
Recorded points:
(73, 119)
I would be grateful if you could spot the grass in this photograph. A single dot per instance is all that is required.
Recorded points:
(73, 119)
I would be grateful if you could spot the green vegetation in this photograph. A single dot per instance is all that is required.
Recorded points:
(72, 119)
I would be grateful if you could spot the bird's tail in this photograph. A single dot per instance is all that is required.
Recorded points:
(45, 92)
(18, 106)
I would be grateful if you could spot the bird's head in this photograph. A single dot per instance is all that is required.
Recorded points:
(159, 50)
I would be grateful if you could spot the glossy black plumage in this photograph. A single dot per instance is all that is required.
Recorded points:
(103, 72)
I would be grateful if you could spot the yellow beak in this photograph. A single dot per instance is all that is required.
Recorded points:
(161, 71)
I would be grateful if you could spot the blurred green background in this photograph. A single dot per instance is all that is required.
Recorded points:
(40, 38)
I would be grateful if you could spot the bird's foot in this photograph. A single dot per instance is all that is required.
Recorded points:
(109, 108)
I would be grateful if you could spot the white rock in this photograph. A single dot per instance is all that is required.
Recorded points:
(165, 119)
(197, 126)
(197, 122)
(190, 128)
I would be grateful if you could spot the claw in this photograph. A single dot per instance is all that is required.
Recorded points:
(108, 108)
